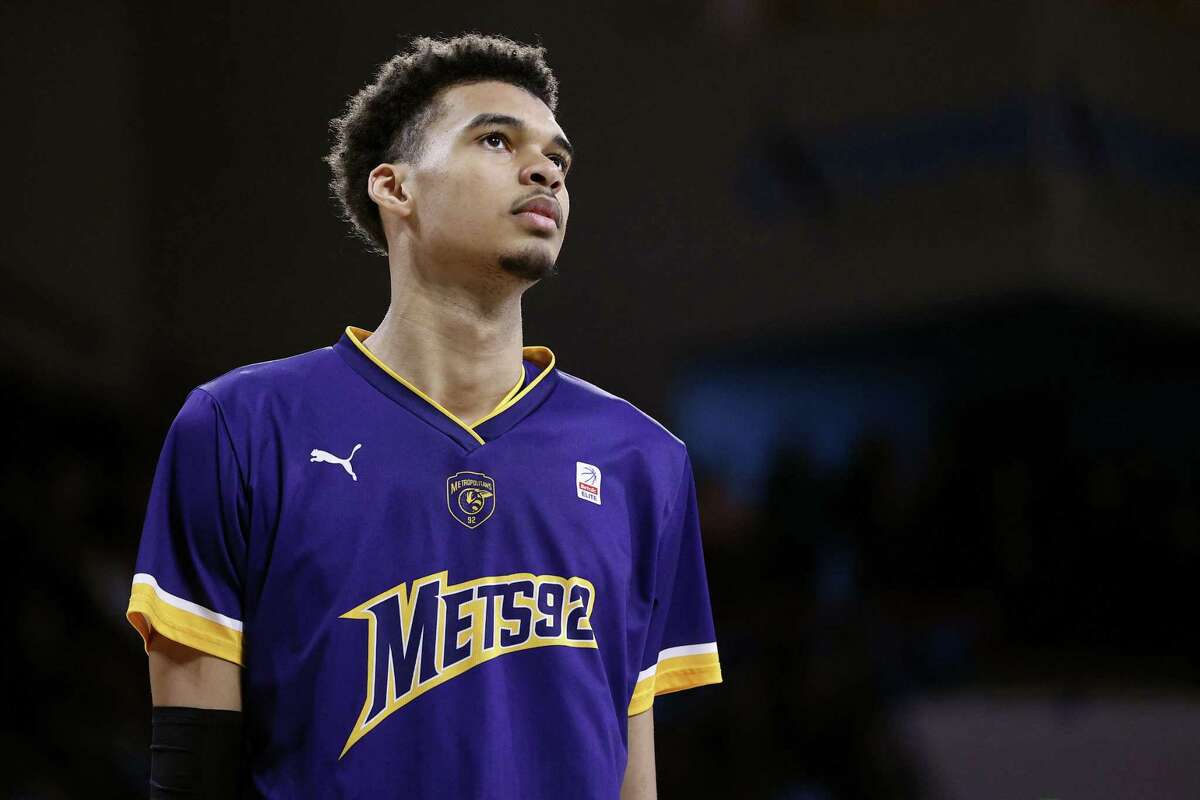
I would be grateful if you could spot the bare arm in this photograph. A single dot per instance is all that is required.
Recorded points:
(182, 676)
(639, 781)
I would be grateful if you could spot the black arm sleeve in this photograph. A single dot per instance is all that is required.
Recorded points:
(195, 753)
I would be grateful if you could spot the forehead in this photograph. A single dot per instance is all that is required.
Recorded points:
(461, 104)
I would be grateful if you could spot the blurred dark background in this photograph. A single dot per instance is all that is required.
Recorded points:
(916, 280)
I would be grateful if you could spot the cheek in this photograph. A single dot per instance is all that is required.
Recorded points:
(470, 190)
(456, 202)
(467, 215)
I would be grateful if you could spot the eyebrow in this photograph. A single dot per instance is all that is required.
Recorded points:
(518, 124)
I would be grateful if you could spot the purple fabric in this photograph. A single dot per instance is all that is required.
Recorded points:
(244, 522)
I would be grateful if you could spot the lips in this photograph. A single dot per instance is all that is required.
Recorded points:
(543, 206)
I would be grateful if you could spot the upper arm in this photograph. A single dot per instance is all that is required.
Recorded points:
(188, 583)
(678, 647)
(183, 676)
(639, 782)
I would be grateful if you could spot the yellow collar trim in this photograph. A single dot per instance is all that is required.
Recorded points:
(516, 388)
(538, 354)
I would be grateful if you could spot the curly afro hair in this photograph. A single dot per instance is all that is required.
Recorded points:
(387, 119)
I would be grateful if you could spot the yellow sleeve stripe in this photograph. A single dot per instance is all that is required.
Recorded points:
(151, 611)
(674, 675)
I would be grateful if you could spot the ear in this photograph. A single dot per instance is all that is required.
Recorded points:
(385, 185)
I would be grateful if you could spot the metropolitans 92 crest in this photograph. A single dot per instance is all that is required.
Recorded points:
(471, 498)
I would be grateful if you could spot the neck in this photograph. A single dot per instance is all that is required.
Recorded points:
(459, 344)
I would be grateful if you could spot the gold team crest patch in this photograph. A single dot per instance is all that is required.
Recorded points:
(471, 497)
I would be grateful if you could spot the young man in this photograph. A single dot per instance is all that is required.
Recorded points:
(424, 562)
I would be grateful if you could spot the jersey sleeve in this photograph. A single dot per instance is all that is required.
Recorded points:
(681, 643)
(190, 562)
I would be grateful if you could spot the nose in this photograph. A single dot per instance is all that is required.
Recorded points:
(543, 172)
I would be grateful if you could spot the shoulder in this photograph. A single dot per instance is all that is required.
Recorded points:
(253, 406)
(258, 395)
(610, 415)
(257, 382)
(647, 457)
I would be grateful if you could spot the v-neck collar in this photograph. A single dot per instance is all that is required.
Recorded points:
(539, 380)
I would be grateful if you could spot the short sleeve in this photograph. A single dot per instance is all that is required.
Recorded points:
(681, 643)
(190, 562)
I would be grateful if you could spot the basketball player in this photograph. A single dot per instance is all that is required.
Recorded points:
(423, 561)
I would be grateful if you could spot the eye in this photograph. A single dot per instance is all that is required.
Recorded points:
(495, 140)
(494, 135)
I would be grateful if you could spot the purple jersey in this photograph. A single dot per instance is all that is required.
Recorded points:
(424, 608)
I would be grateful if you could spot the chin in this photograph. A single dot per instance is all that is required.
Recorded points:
(531, 263)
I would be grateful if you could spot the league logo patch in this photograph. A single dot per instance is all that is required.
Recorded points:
(471, 497)
(587, 482)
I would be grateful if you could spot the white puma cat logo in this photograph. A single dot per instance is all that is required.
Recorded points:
(330, 458)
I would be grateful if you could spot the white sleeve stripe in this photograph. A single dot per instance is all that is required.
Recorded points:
(687, 650)
(676, 652)
(186, 605)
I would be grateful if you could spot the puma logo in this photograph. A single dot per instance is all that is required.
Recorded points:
(330, 458)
